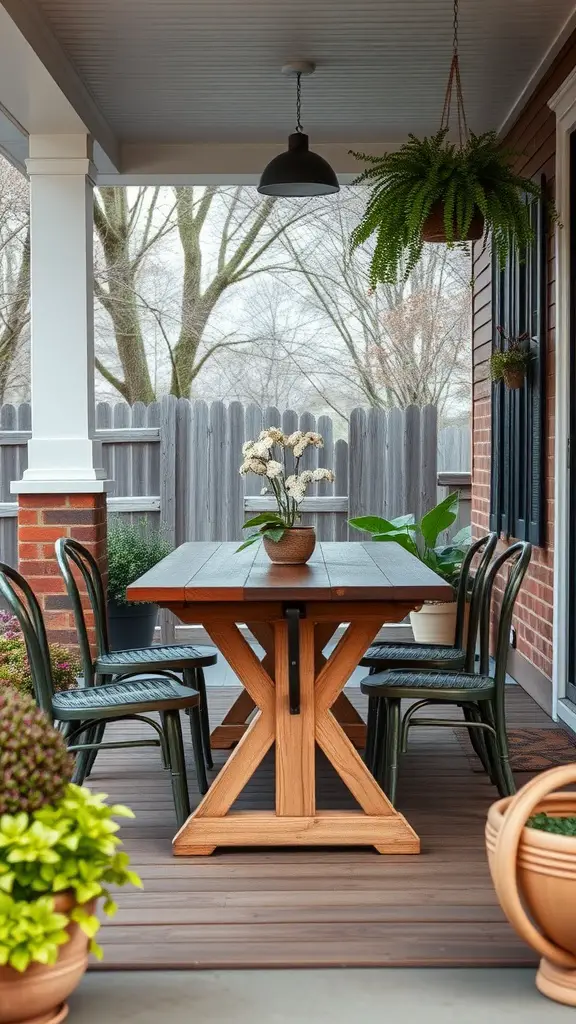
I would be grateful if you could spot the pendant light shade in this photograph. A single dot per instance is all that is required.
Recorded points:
(298, 172)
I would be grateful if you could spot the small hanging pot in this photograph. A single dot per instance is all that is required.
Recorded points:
(434, 230)
(514, 378)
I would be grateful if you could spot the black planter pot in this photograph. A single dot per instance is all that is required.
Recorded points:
(131, 625)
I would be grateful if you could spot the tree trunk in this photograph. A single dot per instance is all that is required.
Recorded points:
(16, 320)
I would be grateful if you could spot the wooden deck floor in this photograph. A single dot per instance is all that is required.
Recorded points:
(313, 907)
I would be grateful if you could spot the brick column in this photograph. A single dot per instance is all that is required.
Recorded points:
(42, 520)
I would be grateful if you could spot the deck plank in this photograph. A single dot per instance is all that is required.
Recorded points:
(309, 907)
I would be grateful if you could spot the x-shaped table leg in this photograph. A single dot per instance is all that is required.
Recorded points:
(295, 820)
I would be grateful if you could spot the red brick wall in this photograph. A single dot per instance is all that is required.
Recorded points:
(533, 138)
(42, 520)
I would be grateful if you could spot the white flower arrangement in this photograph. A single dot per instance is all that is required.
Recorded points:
(288, 489)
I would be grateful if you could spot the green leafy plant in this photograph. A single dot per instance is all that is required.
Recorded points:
(288, 488)
(431, 172)
(550, 823)
(30, 932)
(516, 355)
(421, 538)
(55, 838)
(133, 549)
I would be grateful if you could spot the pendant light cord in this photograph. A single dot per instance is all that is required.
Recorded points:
(299, 127)
(454, 83)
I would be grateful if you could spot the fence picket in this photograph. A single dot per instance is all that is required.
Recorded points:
(388, 464)
(234, 486)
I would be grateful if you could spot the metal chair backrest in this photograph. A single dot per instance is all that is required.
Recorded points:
(487, 546)
(23, 603)
(68, 553)
(519, 554)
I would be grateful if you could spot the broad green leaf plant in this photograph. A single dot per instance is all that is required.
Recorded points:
(421, 538)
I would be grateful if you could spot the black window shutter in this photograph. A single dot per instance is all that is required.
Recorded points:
(518, 456)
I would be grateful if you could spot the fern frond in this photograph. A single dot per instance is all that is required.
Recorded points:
(407, 184)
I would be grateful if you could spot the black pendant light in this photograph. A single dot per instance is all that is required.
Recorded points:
(298, 172)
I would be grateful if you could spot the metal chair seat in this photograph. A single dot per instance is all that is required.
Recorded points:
(381, 656)
(404, 683)
(140, 659)
(155, 693)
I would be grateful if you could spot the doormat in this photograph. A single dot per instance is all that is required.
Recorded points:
(531, 750)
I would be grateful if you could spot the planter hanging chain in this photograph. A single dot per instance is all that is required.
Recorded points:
(455, 84)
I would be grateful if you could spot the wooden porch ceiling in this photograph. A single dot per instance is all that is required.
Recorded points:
(280, 908)
(158, 82)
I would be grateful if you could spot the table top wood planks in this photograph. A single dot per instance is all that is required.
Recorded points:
(293, 697)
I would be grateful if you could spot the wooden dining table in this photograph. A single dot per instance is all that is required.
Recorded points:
(293, 697)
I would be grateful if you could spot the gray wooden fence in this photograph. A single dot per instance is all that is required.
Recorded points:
(176, 463)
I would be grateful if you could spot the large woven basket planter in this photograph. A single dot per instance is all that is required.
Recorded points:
(38, 996)
(534, 874)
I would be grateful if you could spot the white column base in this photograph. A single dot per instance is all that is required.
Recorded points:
(69, 486)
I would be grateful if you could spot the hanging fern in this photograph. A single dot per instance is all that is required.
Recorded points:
(409, 184)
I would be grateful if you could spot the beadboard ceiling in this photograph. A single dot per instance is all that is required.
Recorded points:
(209, 70)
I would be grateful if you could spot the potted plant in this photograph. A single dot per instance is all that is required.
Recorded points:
(510, 364)
(58, 855)
(432, 190)
(133, 549)
(531, 844)
(435, 622)
(285, 542)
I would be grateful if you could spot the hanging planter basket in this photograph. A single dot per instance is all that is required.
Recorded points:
(470, 177)
(434, 229)
(514, 379)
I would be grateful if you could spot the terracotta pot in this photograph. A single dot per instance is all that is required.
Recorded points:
(433, 229)
(534, 874)
(38, 996)
(294, 548)
(514, 379)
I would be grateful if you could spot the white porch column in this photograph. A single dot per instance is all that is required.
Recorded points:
(63, 456)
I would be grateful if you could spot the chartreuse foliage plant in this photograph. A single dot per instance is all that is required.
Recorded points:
(424, 173)
(65, 841)
(421, 538)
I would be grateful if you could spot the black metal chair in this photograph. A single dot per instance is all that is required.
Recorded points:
(84, 709)
(409, 654)
(188, 660)
(388, 655)
(481, 696)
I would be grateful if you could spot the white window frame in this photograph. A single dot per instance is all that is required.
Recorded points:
(563, 103)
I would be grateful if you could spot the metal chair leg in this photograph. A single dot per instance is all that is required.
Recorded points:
(197, 749)
(493, 752)
(507, 784)
(204, 717)
(478, 740)
(370, 748)
(82, 756)
(173, 733)
(92, 754)
(380, 752)
(392, 748)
